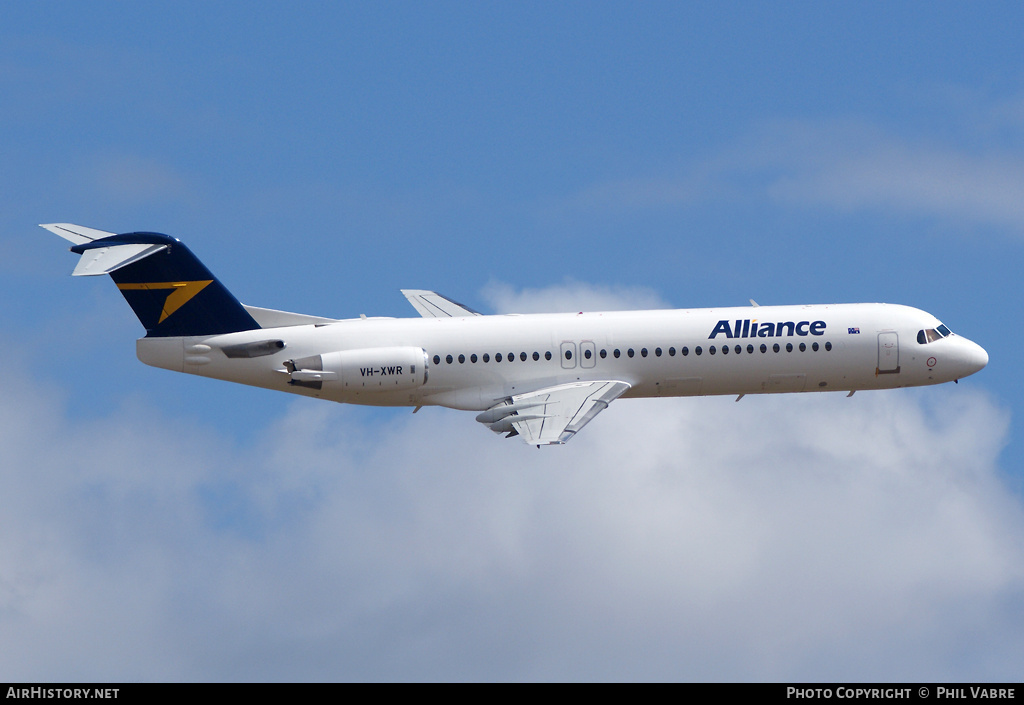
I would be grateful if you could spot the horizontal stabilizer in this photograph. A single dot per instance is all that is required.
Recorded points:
(105, 260)
(430, 304)
(76, 234)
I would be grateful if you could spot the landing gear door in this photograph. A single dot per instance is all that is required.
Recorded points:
(888, 354)
(568, 355)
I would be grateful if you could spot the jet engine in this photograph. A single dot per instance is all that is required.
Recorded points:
(361, 370)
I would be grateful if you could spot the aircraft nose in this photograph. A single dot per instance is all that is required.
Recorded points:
(974, 357)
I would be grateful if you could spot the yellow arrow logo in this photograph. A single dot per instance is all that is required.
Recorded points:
(181, 293)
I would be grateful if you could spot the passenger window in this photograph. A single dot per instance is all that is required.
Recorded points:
(750, 349)
(828, 345)
(712, 350)
(789, 347)
(764, 348)
(437, 359)
(697, 350)
(568, 354)
(616, 353)
(775, 347)
(462, 359)
(686, 351)
(814, 347)
(536, 356)
(643, 352)
(586, 353)
(671, 352)
(448, 359)
(725, 349)
(604, 353)
(547, 355)
(803, 347)
(738, 349)
(630, 352)
(472, 358)
(522, 356)
(487, 357)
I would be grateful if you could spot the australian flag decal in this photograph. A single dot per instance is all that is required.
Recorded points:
(852, 331)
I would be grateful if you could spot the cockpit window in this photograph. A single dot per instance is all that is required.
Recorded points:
(930, 335)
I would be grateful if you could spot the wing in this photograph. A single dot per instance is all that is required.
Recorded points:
(554, 414)
(430, 304)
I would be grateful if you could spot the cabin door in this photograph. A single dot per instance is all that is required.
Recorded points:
(888, 353)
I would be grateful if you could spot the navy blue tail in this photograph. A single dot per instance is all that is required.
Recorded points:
(171, 291)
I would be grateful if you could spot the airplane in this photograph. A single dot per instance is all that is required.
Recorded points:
(541, 377)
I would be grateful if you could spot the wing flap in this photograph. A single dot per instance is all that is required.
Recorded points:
(554, 414)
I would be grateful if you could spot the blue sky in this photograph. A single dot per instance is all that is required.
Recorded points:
(515, 157)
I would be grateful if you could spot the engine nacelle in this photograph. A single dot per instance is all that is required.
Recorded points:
(363, 370)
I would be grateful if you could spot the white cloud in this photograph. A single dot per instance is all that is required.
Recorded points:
(570, 296)
(846, 166)
(859, 169)
(794, 537)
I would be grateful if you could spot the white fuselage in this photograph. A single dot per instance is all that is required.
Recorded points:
(841, 347)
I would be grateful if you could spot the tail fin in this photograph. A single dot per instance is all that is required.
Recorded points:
(170, 290)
